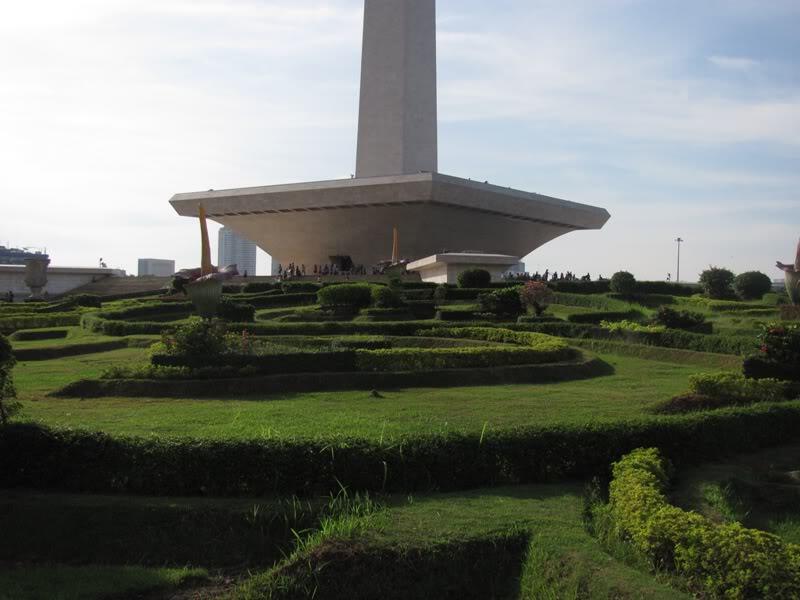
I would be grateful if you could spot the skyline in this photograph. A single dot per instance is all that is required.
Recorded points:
(692, 113)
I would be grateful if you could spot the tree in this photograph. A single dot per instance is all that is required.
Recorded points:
(623, 283)
(752, 285)
(8, 393)
(716, 283)
(537, 296)
(474, 278)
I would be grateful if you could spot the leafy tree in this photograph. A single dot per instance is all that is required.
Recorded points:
(537, 296)
(623, 283)
(8, 393)
(474, 278)
(752, 285)
(505, 302)
(716, 283)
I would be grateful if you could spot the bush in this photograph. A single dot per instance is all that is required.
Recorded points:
(664, 287)
(440, 294)
(386, 314)
(198, 340)
(758, 367)
(385, 297)
(258, 287)
(680, 319)
(350, 296)
(736, 388)
(581, 287)
(716, 283)
(503, 302)
(8, 407)
(588, 301)
(38, 321)
(300, 287)
(38, 334)
(94, 462)
(633, 326)
(522, 319)
(752, 285)
(623, 283)
(474, 278)
(781, 343)
(554, 349)
(536, 296)
(608, 316)
(236, 312)
(430, 359)
(718, 561)
(226, 366)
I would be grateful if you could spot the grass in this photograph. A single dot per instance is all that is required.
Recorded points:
(757, 490)
(85, 583)
(435, 538)
(636, 387)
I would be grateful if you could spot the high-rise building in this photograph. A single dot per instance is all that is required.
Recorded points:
(156, 267)
(235, 250)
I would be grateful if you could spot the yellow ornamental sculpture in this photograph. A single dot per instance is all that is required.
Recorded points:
(204, 285)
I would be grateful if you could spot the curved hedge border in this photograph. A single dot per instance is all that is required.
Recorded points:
(722, 561)
(33, 335)
(38, 321)
(331, 381)
(33, 354)
(95, 462)
(674, 355)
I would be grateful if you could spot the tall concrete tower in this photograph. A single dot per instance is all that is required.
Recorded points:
(397, 114)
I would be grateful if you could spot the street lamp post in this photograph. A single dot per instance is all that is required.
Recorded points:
(678, 278)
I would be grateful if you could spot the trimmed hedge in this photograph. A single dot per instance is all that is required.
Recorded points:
(214, 386)
(718, 561)
(670, 338)
(346, 295)
(418, 359)
(94, 462)
(444, 314)
(534, 319)
(269, 364)
(33, 354)
(598, 317)
(596, 302)
(581, 287)
(759, 367)
(255, 287)
(673, 355)
(38, 321)
(31, 335)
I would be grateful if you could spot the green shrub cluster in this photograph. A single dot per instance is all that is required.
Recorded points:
(300, 287)
(717, 283)
(554, 349)
(38, 334)
(682, 319)
(429, 359)
(581, 287)
(505, 302)
(51, 352)
(93, 462)
(385, 297)
(670, 338)
(349, 296)
(522, 319)
(386, 314)
(595, 302)
(737, 388)
(236, 312)
(623, 283)
(256, 287)
(474, 278)
(752, 285)
(598, 317)
(8, 392)
(718, 561)
(10, 324)
(455, 314)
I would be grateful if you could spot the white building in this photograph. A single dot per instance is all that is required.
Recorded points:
(60, 280)
(235, 250)
(156, 267)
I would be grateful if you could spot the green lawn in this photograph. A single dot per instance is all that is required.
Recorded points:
(85, 583)
(636, 386)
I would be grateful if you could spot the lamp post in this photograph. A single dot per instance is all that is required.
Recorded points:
(678, 278)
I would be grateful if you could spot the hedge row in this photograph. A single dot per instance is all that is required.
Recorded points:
(673, 355)
(48, 353)
(213, 386)
(419, 359)
(94, 462)
(39, 321)
(555, 348)
(31, 335)
(598, 317)
(596, 302)
(671, 338)
(718, 561)
(642, 287)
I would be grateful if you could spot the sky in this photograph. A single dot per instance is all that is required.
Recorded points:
(681, 118)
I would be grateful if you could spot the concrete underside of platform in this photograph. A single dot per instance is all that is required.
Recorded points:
(308, 223)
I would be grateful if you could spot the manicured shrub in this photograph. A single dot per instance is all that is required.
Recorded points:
(236, 312)
(682, 319)
(197, 340)
(648, 300)
(227, 366)
(454, 314)
(632, 326)
(300, 287)
(255, 287)
(589, 301)
(429, 359)
(664, 287)
(385, 297)
(421, 309)
(504, 302)
(624, 283)
(555, 349)
(386, 314)
(609, 316)
(522, 319)
(581, 287)
(717, 283)
(349, 296)
(717, 561)
(737, 388)
(8, 407)
(440, 294)
(752, 285)
(758, 367)
(474, 278)
(38, 334)
(781, 343)
(536, 296)
(11, 324)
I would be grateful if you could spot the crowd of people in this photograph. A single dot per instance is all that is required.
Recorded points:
(548, 276)
(295, 271)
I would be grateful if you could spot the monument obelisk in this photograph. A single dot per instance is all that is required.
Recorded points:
(397, 113)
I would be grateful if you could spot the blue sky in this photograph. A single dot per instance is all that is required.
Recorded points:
(681, 118)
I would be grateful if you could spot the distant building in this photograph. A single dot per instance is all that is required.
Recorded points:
(156, 267)
(17, 256)
(235, 250)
